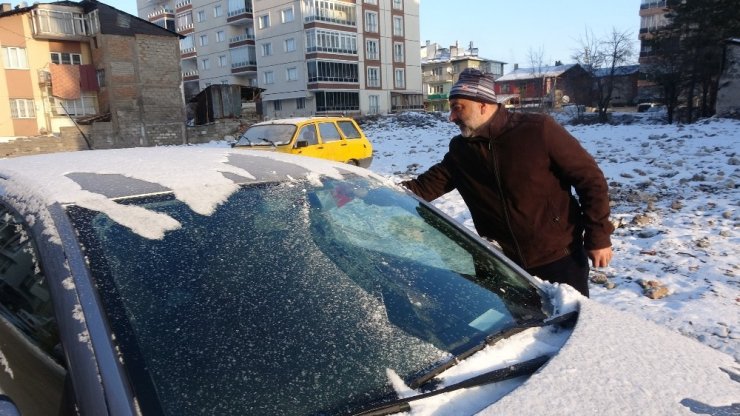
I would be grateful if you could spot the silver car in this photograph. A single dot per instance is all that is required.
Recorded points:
(187, 280)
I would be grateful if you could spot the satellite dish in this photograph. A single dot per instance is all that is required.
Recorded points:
(566, 99)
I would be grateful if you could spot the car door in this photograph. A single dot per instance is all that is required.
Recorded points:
(357, 146)
(32, 373)
(307, 142)
(335, 147)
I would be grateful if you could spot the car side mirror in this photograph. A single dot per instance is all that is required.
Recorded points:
(301, 143)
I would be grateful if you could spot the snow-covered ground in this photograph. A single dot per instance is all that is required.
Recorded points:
(675, 203)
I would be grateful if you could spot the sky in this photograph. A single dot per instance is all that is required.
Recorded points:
(508, 31)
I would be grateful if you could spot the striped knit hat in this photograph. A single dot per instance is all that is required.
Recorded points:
(474, 85)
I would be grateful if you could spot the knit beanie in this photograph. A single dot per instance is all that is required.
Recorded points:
(474, 85)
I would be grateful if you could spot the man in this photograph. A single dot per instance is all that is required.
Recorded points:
(515, 172)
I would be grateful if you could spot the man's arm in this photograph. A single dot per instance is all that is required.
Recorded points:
(433, 183)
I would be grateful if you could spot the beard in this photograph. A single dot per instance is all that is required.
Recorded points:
(465, 130)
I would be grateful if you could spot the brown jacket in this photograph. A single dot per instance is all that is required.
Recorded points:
(517, 182)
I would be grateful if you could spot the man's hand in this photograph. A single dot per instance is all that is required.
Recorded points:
(600, 257)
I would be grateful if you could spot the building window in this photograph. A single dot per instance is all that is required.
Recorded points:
(399, 80)
(218, 11)
(269, 77)
(398, 4)
(398, 52)
(100, 73)
(85, 105)
(22, 108)
(205, 63)
(374, 101)
(263, 22)
(266, 49)
(220, 36)
(373, 76)
(200, 16)
(277, 105)
(15, 58)
(291, 74)
(371, 49)
(371, 22)
(289, 45)
(397, 26)
(185, 20)
(203, 40)
(66, 58)
(300, 103)
(286, 15)
(333, 41)
(327, 101)
(371, 2)
(332, 71)
(222, 61)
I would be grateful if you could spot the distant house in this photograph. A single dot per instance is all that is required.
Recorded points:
(441, 67)
(70, 63)
(548, 85)
(625, 84)
(728, 94)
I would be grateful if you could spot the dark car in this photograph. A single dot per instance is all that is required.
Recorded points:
(186, 281)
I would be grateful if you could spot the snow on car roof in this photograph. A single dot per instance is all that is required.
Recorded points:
(201, 177)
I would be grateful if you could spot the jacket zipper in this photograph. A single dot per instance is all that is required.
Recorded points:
(503, 203)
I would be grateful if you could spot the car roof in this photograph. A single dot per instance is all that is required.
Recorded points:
(300, 120)
(202, 177)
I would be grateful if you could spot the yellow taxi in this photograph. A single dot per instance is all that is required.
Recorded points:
(333, 138)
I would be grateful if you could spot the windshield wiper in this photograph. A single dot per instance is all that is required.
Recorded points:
(567, 318)
(515, 370)
(268, 141)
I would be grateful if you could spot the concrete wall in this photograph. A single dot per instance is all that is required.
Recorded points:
(728, 96)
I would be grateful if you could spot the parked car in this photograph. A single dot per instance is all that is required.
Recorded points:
(334, 138)
(198, 280)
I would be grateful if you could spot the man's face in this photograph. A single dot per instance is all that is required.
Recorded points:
(469, 115)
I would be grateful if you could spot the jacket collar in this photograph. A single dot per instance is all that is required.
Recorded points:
(498, 122)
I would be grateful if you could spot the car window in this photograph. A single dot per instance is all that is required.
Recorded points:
(329, 132)
(308, 134)
(267, 135)
(349, 129)
(30, 352)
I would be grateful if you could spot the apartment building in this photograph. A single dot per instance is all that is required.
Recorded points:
(441, 67)
(307, 56)
(65, 62)
(652, 18)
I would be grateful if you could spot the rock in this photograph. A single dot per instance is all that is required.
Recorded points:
(648, 233)
(610, 285)
(641, 220)
(599, 278)
(656, 292)
(733, 161)
(703, 242)
(725, 233)
(677, 205)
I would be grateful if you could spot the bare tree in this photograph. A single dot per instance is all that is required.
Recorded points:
(536, 63)
(602, 59)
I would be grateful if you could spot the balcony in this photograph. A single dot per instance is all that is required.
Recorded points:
(437, 78)
(336, 12)
(183, 5)
(62, 24)
(241, 15)
(159, 13)
(186, 28)
(436, 96)
(188, 53)
(191, 75)
(241, 40)
(243, 67)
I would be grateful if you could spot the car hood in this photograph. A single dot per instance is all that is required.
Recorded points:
(616, 363)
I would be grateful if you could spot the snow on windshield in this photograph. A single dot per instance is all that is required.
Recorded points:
(195, 175)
